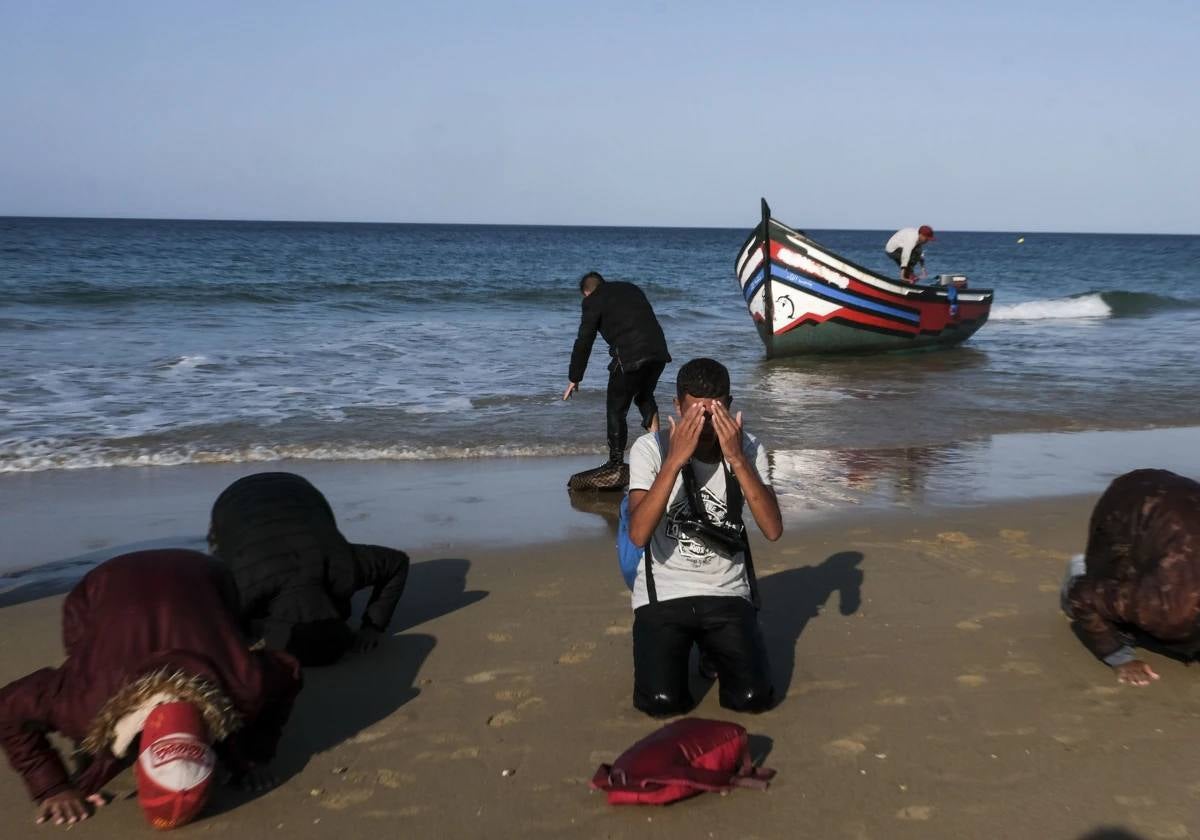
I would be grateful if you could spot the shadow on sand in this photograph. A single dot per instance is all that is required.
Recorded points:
(340, 701)
(791, 598)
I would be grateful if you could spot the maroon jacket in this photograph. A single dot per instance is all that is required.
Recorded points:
(136, 624)
(1143, 563)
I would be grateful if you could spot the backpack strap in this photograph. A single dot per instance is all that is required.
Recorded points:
(648, 558)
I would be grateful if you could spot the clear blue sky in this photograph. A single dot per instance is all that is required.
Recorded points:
(1051, 115)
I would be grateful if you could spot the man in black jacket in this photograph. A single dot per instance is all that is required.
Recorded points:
(621, 313)
(296, 573)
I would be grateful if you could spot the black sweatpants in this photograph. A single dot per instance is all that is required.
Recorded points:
(626, 388)
(726, 629)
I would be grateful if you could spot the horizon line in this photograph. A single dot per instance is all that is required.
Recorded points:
(210, 220)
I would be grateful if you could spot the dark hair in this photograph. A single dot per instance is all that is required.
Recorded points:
(590, 281)
(702, 378)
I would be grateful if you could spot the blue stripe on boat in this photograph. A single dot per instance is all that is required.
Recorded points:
(827, 291)
(753, 285)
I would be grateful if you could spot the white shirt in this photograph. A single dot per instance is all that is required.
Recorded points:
(684, 567)
(905, 240)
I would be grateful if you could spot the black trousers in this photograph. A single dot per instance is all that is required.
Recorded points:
(624, 389)
(726, 629)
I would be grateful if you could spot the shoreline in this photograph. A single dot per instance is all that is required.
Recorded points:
(63, 519)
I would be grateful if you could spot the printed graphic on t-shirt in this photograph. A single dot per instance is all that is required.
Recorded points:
(693, 550)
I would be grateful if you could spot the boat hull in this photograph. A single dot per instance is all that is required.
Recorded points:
(806, 299)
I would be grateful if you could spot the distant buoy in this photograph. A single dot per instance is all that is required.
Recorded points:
(1022, 239)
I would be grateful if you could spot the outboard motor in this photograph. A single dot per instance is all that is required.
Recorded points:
(958, 281)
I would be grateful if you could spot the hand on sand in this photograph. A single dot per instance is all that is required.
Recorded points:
(367, 638)
(1136, 672)
(728, 429)
(255, 780)
(572, 387)
(69, 807)
(685, 434)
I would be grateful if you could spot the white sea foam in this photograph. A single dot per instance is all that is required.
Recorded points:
(1087, 306)
(185, 362)
(35, 458)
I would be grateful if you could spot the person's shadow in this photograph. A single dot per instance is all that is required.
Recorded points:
(791, 598)
(340, 701)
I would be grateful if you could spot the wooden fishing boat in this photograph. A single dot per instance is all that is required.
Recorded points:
(806, 299)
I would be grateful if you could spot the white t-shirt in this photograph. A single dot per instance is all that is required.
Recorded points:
(684, 567)
(906, 241)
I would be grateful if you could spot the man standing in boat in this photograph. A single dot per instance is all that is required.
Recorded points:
(905, 249)
(621, 313)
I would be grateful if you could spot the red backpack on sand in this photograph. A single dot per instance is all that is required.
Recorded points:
(682, 759)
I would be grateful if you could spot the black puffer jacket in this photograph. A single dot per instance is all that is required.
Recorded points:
(1143, 563)
(295, 572)
(621, 313)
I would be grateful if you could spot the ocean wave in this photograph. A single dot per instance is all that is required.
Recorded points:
(1118, 304)
(39, 459)
(337, 292)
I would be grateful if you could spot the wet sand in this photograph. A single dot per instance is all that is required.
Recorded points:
(930, 688)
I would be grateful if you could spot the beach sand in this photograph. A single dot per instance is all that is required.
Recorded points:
(930, 688)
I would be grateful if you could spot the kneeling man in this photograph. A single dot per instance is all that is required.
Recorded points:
(152, 649)
(1141, 572)
(695, 584)
(296, 573)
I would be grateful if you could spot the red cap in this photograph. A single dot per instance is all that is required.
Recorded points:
(926, 231)
(175, 767)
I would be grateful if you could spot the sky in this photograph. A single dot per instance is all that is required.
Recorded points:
(1017, 116)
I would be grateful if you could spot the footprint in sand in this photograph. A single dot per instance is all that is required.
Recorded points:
(346, 799)
(1012, 535)
(550, 590)
(504, 718)
(957, 539)
(394, 779)
(890, 699)
(486, 676)
(970, 680)
(578, 652)
(456, 755)
(1027, 669)
(369, 736)
(975, 622)
(844, 748)
(509, 695)
(1134, 801)
(618, 630)
(915, 812)
(1161, 829)
(499, 637)
(410, 811)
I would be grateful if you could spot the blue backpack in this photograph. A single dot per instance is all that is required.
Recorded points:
(628, 554)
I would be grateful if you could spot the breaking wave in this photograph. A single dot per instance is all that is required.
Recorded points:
(83, 457)
(1092, 305)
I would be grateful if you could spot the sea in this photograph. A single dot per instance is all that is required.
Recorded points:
(149, 343)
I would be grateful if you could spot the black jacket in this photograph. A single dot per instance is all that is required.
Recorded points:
(295, 572)
(622, 314)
